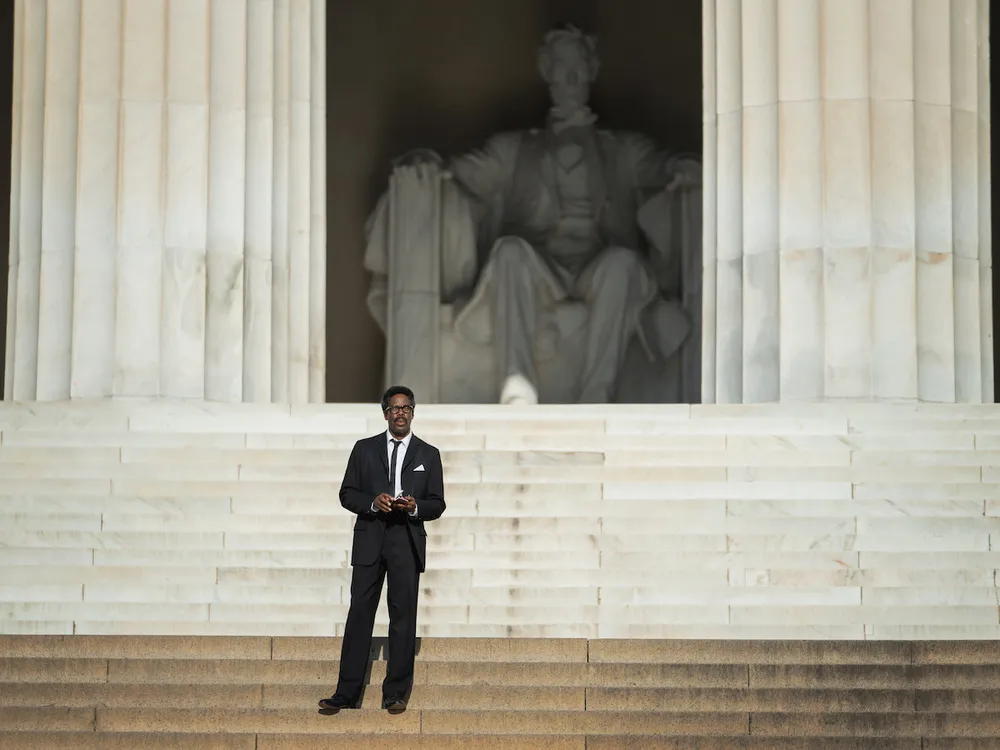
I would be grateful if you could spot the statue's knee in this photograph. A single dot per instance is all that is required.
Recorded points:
(511, 262)
(511, 250)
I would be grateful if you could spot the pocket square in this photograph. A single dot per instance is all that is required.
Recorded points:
(420, 468)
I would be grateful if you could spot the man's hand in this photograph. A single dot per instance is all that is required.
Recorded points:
(406, 504)
(383, 502)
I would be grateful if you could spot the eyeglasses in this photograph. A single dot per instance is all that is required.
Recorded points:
(399, 409)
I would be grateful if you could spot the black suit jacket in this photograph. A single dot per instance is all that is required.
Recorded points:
(367, 477)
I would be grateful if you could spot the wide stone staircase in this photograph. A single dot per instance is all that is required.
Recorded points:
(774, 576)
(259, 693)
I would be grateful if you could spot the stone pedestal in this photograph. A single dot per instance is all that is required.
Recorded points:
(847, 221)
(168, 200)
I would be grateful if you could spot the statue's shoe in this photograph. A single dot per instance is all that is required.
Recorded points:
(518, 390)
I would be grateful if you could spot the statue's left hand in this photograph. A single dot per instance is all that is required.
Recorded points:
(417, 156)
(684, 173)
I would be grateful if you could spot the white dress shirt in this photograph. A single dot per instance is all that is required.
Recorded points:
(397, 482)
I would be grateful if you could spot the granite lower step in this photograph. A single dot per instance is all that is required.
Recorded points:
(154, 741)
(519, 698)
(504, 721)
(110, 692)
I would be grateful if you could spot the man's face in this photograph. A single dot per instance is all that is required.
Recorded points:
(399, 415)
(569, 78)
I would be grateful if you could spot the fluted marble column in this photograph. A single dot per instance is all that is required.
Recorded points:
(847, 224)
(168, 200)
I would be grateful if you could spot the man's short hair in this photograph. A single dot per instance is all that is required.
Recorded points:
(568, 35)
(397, 390)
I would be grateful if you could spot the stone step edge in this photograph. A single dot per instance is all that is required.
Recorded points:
(303, 698)
(272, 741)
(511, 650)
(427, 721)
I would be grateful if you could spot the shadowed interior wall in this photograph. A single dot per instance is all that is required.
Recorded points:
(445, 74)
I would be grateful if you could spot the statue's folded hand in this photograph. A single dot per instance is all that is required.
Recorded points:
(684, 173)
(418, 156)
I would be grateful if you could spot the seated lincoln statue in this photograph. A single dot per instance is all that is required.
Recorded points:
(555, 265)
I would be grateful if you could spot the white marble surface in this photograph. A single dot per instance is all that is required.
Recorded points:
(850, 140)
(146, 208)
(858, 521)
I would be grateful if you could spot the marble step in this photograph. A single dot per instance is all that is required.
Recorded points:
(735, 605)
(515, 697)
(511, 650)
(958, 446)
(823, 633)
(453, 673)
(762, 622)
(610, 451)
(563, 514)
(396, 741)
(539, 569)
(932, 492)
(506, 650)
(298, 696)
(309, 721)
(973, 680)
(503, 722)
(892, 579)
(285, 741)
(645, 463)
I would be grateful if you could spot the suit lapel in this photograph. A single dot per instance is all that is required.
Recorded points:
(383, 454)
(411, 452)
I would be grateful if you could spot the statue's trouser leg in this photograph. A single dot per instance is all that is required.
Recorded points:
(514, 305)
(616, 287)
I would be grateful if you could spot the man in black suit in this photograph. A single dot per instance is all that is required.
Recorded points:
(394, 482)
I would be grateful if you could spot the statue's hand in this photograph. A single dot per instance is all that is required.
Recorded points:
(422, 162)
(684, 173)
(418, 156)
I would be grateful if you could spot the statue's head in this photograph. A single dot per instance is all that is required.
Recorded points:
(569, 63)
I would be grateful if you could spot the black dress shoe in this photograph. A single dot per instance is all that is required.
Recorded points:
(394, 703)
(336, 702)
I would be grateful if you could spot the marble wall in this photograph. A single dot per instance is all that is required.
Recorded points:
(847, 235)
(168, 201)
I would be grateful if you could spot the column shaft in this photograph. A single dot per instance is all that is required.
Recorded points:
(849, 252)
(168, 200)
(227, 195)
(258, 203)
(317, 214)
(280, 223)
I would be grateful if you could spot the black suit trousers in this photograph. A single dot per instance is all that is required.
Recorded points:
(398, 560)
